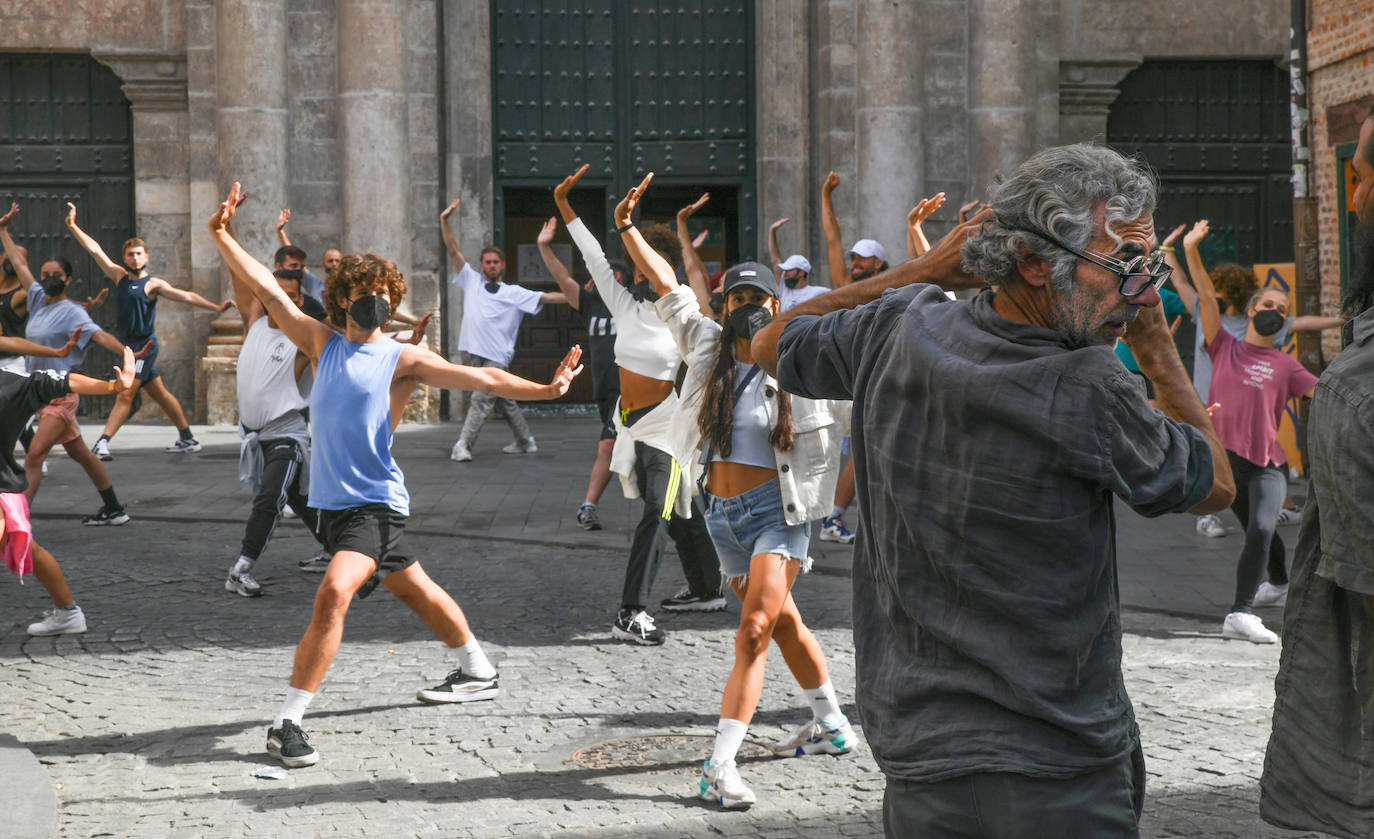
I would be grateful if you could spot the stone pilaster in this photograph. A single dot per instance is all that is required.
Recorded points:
(1087, 90)
(784, 148)
(1004, 95)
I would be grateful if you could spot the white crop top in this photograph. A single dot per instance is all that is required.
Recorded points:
(749, 443)
(643, 343)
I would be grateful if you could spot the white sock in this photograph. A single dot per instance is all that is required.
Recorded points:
(293, 708)
(824, 704)
(474, 661)
(836, 510)
(243, 564)
(729, 737)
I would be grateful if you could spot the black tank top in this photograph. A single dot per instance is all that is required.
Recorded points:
(11, 323)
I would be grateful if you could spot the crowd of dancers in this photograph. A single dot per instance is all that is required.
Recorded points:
(726, 404)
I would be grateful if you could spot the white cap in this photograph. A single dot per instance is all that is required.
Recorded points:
(794, 262)
(868, 248)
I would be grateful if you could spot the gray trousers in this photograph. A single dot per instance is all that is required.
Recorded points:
(481, 404)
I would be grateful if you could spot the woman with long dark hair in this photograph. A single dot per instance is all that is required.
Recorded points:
(771, 463)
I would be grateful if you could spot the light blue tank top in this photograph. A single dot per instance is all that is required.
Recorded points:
(350, 418)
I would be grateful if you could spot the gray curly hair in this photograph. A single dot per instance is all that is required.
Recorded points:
(1057, 191)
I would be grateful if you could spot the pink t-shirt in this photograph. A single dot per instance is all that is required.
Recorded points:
(1253, 384)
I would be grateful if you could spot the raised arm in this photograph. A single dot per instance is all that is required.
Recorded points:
(1183, 286)
(916, 241)
(939, 266)
(1209, 313)
(830, 223)
(774, 252)
(282, 219)
(697, 277)
(304, 331)
(557, 269)
(648, 260)
(450, 242)
(16, 255)
(429, 368)
(92, 247)
(616, 297)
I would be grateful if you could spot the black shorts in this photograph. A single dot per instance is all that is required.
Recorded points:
(374, 531)
(606, 409)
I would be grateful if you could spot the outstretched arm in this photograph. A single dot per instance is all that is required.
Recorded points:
(648, 260)
(123, 379)
(282, 219)
(429, 368)
(1315, 323)
(697, 277)
(557, 269)
(23, 346)
(830, 223)
(16, 255)
(450, 243)
(304, 331)
(158, 287)
(111, 270)
(1209, 312)
(774, 252)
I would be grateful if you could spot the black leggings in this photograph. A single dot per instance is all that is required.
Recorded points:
(1260, 491)
(281, 482)
(659, 476)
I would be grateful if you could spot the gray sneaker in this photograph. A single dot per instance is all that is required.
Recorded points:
(243, 584)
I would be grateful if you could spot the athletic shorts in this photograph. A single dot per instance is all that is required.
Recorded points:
(63, 410)
(374, 531)
(605, 408)
(145, 369)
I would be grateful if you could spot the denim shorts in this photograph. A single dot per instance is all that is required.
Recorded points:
(753, 523)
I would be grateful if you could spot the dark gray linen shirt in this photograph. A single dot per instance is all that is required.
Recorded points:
(1319, 768)
(986, 610)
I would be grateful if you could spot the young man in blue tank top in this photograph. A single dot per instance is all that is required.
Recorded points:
(362, 382)
(136, 295)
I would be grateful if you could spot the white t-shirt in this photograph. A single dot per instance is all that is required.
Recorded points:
(491, 321)
(789, 297)
(267, 376)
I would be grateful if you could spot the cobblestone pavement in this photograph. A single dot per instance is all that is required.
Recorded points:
(152, 723)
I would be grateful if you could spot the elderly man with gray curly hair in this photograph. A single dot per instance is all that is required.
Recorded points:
(990, 436)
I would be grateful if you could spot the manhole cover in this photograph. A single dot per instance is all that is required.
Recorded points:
(663, 751)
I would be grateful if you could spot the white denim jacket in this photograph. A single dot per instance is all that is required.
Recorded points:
(808, 473)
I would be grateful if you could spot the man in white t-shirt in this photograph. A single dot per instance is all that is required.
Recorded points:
(492, 311)
(792, 274)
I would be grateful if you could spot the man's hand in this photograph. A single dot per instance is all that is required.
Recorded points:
(944, 255)
(67, 348)
(1195, 236)
(282, 219)
(691, 209)
(546, 233)
(964, 211)
(779, 223)
(624, 211)
(71, 214)
(94, 302)
(225, 212)
(227, 305)
(831, 181)
(448, 211)
(567, 370)
(5, 219)
(560, 193)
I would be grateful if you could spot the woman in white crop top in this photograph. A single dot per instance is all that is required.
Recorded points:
(648, 358)
(772, 464)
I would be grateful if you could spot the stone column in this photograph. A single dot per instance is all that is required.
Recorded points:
(887, 121)
(373, 156)
(1004, 94)
(782, 92)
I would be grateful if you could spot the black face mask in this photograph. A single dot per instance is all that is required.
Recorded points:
(791, 282)
(1268, 322)
(370, 312)
(493, 286)
(643, 292)
(748, 319)
(52, 286)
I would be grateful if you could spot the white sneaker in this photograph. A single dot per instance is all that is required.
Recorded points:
(1290, 517)
(101, 449)
(183, 446)
(1243, 626)
(243, 583)
(1271, 595)
(527, 447)
(58, 621)
(816, 738)
(722, 783)
(460, 452)
(1210, 526)
(288, 512)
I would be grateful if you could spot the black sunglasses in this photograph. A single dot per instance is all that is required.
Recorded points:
(1137, 273)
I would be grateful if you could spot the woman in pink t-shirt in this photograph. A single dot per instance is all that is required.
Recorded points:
(1252, 383)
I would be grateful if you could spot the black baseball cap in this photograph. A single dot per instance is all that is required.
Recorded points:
(750, 274)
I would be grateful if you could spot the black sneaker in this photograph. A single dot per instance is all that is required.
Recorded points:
(638, 627)
(105, 517)
(288, 744)
(685, 601)
(460, 687)
(587, 518)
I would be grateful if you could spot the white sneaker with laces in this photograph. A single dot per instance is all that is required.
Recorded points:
(460, 452)
(244, 584)
(59, 621)
(1243, 626)
(1210, 526)
(1290, 517)
(527, 447)
(101, 449)
(722, 783)
(816, 738)
(183, 446)
(1269, 594)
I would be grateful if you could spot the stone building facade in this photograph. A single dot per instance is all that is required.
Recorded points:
(363, 116)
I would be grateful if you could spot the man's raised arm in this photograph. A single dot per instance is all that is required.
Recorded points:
(450, 243)
(92, 247)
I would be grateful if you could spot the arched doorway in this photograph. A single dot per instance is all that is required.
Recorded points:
(66, 134)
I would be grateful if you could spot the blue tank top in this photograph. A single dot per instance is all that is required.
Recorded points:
(135, 310)
(350, 417)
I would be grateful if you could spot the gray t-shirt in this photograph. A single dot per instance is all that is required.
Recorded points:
(51, 326)
(986, 452)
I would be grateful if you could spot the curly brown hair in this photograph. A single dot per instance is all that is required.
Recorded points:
(1234, 284)
(662, 239)
(368, 271)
